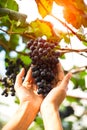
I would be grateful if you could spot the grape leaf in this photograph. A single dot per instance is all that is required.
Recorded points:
(44, 7)
(73, 18)
(75, 12)
(61, 2)
(40, 28)
(26, 60)
(5, 21)
(14, 40)
(10, 4)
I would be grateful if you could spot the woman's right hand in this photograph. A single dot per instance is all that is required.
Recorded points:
(58, 93)
(51, 103)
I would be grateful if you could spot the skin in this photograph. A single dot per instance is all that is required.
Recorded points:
(50, 105)
(31, 103)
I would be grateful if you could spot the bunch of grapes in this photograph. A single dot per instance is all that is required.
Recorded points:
(12, 69)
(44, 63)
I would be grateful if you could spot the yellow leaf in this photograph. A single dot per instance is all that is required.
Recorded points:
(40, 28)
(44, 7)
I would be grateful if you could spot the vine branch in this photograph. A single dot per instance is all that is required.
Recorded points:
(4, 45)
(73, 32)
(22, 34)
(77, 70)
(13, 14)
(67, 50)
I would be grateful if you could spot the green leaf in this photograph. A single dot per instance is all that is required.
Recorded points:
(83, 74)
(10, 4)
(84, 43)
(20, 28)
(5, 21)
(13, 42)
(17, 100)
(44, 7)
(70, 99)
(39, 120)
(26, 60)
(82, 83)
(79, 80)
(74, 80)
(63, 57)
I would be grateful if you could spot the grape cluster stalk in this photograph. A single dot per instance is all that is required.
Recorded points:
(44, 63)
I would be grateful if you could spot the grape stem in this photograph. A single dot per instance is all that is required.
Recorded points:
(77, 70)
(67, 50)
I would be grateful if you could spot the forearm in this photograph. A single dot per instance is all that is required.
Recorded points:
(22, 118)
(51, 118)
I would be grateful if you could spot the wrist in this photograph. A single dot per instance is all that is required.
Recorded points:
(48, 108)
(23, 117)
(29, 105)
(51, 117)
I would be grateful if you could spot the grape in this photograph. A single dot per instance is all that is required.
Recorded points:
(32, 47)
(46, 44)
(30, 43)
(35, 74)
(40, 85)
(40, 91)
(40, 50)
(34, 68)
(40, 44)
(13, 94)
(35, 52)
(43, 73)
(37, 79)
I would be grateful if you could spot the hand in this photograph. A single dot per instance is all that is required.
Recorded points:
(26, 90)
(58, 93)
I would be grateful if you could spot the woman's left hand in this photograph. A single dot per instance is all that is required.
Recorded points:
(26, 90)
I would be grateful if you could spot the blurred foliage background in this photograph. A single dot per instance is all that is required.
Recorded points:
(15, 31)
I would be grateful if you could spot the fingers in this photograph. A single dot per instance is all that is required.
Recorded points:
(28, 81)
(61, 90)
(65, 81)
(19, 78)
(60, 72)
(28, 77)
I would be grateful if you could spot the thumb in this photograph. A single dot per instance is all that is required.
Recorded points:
(19, 78)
